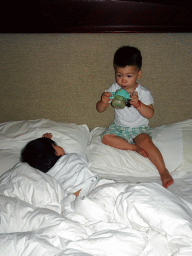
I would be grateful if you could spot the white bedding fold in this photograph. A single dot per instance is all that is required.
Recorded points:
(72, 173)
(38, 218)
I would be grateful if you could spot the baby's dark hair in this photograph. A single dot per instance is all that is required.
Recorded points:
(127, 56)
(40, 154)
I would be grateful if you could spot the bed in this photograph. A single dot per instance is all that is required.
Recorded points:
(53, 71)
(128, 212)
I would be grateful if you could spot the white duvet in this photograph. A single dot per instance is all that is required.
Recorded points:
(73, 174)
(38, 218)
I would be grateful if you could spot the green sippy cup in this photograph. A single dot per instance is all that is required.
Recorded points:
(119, 98)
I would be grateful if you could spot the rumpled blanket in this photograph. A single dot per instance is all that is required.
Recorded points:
(39, 218)
(73, 174)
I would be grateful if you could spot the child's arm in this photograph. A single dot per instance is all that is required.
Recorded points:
(103, 104)
(145, 110)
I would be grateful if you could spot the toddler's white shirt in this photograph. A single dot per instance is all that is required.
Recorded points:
(130, 117)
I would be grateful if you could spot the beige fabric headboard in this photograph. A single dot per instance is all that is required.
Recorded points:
(62, 76)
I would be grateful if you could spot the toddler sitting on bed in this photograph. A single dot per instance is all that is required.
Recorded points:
(130, 130)
(70, 170)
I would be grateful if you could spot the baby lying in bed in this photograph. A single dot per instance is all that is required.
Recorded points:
(70, 170)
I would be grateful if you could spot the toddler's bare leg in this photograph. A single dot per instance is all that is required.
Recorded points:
(120, 143)
(154, 155)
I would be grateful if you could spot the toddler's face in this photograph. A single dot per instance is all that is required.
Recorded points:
(127, 77)
(59, 150)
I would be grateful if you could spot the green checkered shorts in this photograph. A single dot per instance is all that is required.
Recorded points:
(127, 133)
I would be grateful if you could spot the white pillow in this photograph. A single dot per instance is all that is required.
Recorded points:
(118, 164)
(15, 135)
(8, 158)
(187, 147)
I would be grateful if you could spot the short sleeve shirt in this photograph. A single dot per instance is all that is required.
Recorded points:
(130, 116)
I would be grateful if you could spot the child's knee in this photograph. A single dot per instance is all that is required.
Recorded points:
(143, 140)
(106, 138)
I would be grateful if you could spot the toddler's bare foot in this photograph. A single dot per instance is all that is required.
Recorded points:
(167, 179)
(142, 152)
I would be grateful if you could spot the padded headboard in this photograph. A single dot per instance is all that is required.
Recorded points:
(62, 76)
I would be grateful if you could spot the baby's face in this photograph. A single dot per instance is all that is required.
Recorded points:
(59, 150)
(127, 77)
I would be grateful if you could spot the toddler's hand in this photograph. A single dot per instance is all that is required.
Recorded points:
(134, 98)
(47, 135)
(105, 97)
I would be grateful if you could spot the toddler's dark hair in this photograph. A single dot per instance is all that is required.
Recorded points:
(40, 154)
(127, 56)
